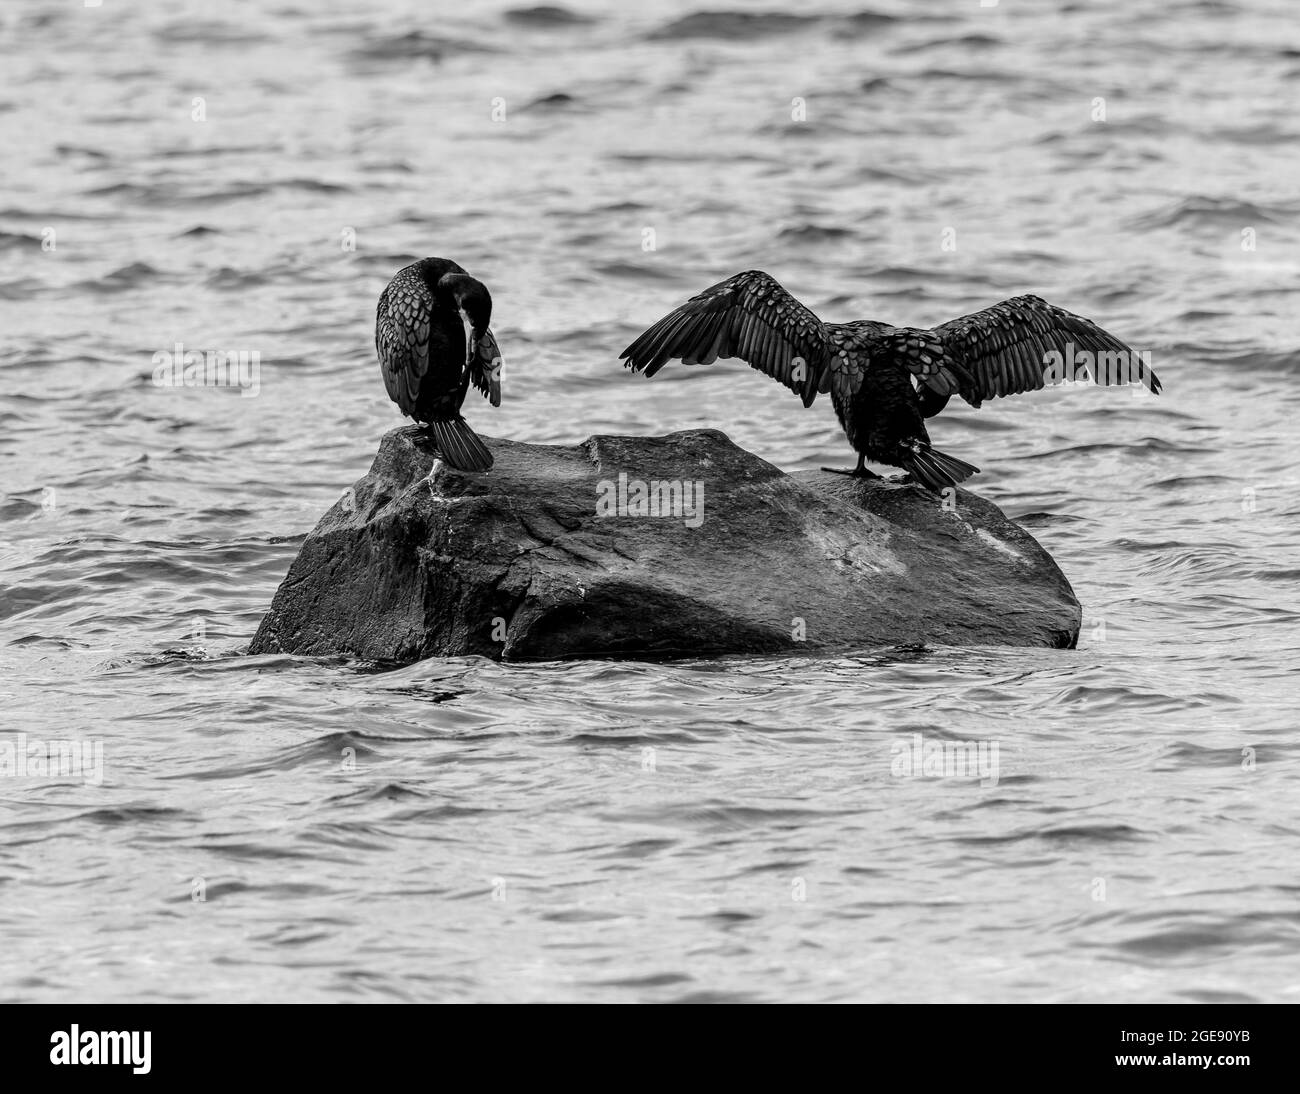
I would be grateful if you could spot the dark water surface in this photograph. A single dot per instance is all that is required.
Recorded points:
(730, 830)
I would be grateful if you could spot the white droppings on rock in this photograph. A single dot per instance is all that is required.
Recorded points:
(993, 541)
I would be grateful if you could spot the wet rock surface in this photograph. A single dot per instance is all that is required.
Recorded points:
(683, 545)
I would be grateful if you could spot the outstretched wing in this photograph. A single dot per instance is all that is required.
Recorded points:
(485, 366)
(749, 316)
(402, 338)
(1025, 343)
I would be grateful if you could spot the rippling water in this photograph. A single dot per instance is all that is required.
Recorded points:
(733, 830)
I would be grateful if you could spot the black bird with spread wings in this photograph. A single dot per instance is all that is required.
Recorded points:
(427, 366)
(885, 381)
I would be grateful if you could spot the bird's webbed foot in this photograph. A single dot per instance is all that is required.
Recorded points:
(858, 472)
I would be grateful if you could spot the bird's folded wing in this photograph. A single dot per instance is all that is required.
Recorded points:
(485, 366)
(749, 316)
(1025, 343)
(402, 341)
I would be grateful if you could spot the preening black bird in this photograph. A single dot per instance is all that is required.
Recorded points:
(427, 366)
(885, 381)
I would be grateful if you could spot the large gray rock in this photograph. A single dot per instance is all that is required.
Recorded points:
(522, 564)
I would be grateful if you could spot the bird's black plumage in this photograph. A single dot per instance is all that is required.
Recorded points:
(884, 381)
(426, 362)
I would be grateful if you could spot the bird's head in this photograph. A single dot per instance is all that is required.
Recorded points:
(471, 297)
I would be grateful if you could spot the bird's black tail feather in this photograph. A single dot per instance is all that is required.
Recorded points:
(936, 469)
(460, 446)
